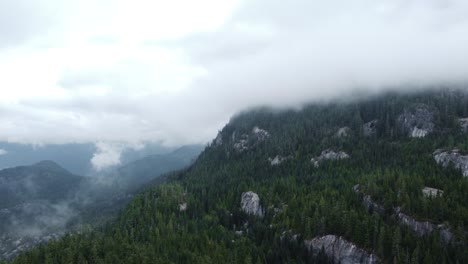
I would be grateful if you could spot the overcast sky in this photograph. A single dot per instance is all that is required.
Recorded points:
(175, 71)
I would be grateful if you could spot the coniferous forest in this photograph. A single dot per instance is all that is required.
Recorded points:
(368, 191)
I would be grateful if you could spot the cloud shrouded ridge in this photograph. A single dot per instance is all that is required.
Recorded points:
(91, 77)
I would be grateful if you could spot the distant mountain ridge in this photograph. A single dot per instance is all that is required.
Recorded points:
(75, 158)
(45, 180)
(43, 201)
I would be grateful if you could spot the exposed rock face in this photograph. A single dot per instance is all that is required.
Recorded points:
(12, 246)
(278, 160)
(339, 250)
(368, 202)
(370, 128)
(290, 235)
(424, 228)
(463, 124)
(431, 192)
(260, 134)
(445, 234)
(329, 155)
(372, 206)
(343, 132)
(250, 203)
(242, 144)
(446, 157)
(247, 141)
(417, 122)
(218, 140)
(182, 207)
(420, 228)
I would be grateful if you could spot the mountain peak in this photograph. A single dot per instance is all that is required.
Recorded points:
(48, 164)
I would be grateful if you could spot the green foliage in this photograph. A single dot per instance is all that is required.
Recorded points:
(297, 197)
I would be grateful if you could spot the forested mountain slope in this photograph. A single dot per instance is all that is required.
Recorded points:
(375, 180)
(43, 201)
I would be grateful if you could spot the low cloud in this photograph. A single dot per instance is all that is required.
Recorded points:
(112, 84)
(107, 155)
(3, 152)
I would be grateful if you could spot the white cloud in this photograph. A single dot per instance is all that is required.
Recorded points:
(3, 152)
(107, 155)
(135, 71)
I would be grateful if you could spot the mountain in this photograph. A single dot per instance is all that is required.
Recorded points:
(45, 180)
(141, 171)
(44, 201)
(376, 180)
(35, 204)
(75, 158)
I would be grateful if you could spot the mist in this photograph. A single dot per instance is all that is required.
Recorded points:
(119, 86)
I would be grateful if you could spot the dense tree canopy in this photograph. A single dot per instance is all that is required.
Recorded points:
(298, 197)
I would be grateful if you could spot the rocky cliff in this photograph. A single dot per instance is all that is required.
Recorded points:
(417, 122)
(250, 204)
(329, 155)
(458, 160)
(340, 250)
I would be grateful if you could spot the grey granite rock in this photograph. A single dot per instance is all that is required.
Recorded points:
(340, 250)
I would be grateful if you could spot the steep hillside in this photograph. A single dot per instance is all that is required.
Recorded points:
(35, 204)
(377, 180)
(43, 201)
(42, 181)
(136, 173)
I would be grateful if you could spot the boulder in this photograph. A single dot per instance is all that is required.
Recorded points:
(250, 204)
(182, 207)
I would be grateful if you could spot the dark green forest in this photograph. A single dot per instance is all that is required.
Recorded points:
(296, 196)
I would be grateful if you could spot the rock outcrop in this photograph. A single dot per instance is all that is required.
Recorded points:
(421, 228)
(368, 202)
(463, 124)
(343, 132)
(260, 134)
(182, 207)
(250, 204)
(370, 128)
(431, 192)
(446, 157)
(277, 160)
(11, 246)
(340, 250)
(329, 155)
(417, 122)
(218, 141)
(247, 141)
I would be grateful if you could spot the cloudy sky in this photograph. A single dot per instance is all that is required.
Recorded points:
(175, 71)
